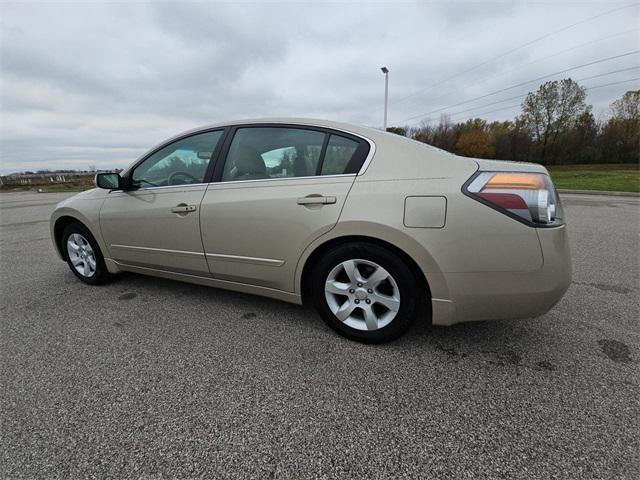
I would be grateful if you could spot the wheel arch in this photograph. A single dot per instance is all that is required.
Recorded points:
(314, 255)
(61, 222)
(58, 227)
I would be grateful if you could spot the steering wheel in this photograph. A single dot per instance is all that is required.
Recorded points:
(180, 174)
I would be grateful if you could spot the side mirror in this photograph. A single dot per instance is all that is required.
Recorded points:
(110, 181)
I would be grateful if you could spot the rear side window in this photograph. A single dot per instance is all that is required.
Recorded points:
(340, 155)
(273, 152)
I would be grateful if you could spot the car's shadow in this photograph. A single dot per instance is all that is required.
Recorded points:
(500, 342)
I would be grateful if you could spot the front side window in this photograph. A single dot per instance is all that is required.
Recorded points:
(182, 162)
(273, 152)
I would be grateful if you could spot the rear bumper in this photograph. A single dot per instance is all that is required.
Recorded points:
(507, 295)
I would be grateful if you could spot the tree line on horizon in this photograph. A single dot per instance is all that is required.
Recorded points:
(556, 126)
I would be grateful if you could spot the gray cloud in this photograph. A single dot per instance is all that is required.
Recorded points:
(99, 83)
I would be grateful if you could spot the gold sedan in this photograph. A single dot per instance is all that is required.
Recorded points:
(367, 226)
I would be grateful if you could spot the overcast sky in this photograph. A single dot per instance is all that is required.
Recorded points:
(88, 83)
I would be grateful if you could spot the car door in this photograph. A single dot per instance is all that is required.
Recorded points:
(278, 188)
(155, 224)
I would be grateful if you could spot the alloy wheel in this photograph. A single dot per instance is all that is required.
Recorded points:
(362, 294)
(81, 255)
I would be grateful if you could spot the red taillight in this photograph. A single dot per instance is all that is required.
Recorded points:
(504, 200)
(529, 197)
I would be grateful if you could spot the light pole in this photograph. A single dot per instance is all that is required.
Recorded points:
(385, 70)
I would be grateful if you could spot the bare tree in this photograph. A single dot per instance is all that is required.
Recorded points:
(627, 107)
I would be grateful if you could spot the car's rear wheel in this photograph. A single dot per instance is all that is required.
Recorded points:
(83, 254)
(365, 292)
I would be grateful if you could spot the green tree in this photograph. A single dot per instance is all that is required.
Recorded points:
(620, 142)
(583, 141)
(550, 112)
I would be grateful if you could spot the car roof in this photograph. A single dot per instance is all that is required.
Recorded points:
(369, 134)
(366, 132)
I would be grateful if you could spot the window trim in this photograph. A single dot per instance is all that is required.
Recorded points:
(230, 134)
(323, 152)
(281, 179)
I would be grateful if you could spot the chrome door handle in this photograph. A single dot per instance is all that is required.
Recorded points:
(182, 208)
(316, 200)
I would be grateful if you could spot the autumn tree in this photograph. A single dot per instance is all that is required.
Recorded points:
(556, 126)
(551, 111)
(474, 139)
(501, 134)
(402, 131)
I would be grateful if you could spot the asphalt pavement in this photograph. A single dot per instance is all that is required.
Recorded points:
(149, 378)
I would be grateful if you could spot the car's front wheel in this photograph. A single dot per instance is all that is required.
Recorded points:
(365, 292)
(83, 254)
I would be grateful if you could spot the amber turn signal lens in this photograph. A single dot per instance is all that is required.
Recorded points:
(519, 181)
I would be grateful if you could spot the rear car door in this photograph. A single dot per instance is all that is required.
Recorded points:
(278, 188)
(156, 223)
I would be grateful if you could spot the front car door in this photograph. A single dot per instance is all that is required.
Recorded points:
(278, 188)
(155, 224)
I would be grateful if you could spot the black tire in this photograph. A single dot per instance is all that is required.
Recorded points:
(101, 274)
(407, 284)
